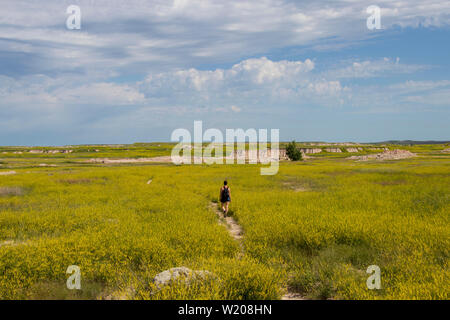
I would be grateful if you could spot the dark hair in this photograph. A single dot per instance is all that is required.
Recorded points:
(225, 183)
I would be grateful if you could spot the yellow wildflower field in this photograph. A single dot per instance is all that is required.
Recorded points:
(313, 228)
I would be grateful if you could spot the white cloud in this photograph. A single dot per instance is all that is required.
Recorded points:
(41, 93)
(326, 88)
(254, 72)
(414, 86)
(373, 68)
(264, 82)
(144, 35)
(100, 93)
(263, 70)
(435, 98)
(257, 83)
(253, 81)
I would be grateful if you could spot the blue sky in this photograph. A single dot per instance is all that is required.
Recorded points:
(137, 70)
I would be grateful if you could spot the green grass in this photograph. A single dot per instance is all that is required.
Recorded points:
(314, 227)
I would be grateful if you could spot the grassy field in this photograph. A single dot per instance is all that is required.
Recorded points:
(314, 227)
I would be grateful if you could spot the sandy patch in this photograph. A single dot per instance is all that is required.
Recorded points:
(7, 173)
(11, 243)
(11, 191)
(295, 186)
(131, 160)
(6, 243)
(292, 296)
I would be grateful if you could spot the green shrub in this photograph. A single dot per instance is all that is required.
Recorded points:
(292, 152)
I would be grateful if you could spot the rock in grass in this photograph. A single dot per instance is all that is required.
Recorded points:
(180, 273)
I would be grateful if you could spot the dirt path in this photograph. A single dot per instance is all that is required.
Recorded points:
(7, 173)
(236, 232)
(234, 229)
(292, 296)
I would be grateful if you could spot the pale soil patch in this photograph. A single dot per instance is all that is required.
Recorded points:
(11, 243)
(292, 296)
(57, 290)
(149, 181)
(168, 159)
(130, 160)
(7, 173)
(294, 186)
(124, 294)
(446, 150)
(11, 191)
(76, 181)
(234, 229)
(7, 243)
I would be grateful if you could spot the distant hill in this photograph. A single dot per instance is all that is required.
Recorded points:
(411, 142)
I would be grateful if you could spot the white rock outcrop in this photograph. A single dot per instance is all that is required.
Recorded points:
(335, 150)
(386, 155)
(311, 150)
(180, 273)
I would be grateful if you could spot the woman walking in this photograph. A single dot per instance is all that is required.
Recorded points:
(225, 197)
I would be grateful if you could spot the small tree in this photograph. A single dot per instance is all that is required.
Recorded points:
(292, 152)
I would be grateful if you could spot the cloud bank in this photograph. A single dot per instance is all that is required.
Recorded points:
(156, 63)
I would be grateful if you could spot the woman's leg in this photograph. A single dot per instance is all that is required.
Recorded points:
(226, 207)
